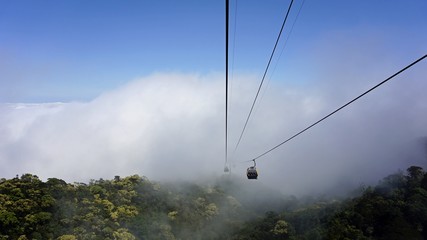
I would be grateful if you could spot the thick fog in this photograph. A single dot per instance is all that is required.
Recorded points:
(170, 126)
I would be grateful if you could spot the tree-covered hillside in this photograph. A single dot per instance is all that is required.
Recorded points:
(136, 208)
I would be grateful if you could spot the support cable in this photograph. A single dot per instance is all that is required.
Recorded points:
(263, 77)
(338, 109)
(226, 80)
(281, 53)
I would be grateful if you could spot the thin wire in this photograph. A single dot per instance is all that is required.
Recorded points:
(263, 77)
(338, 109)
(226, 80)
(234, 44)
(281, 53)
(286, 41)
(233, 47)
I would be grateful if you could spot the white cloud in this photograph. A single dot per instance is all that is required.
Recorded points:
(171, 126)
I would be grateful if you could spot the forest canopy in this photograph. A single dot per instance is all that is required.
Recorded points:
(134, 207)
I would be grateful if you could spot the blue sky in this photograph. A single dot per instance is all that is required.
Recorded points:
(76, 50)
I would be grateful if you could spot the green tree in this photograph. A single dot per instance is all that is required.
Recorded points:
(67, 237)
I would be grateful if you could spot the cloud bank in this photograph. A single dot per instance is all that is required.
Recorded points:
(170, 126)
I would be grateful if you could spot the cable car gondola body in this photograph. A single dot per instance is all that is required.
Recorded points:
(251, 172)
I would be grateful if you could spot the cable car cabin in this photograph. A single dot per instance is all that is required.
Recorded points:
(226, 170)
(252, 173)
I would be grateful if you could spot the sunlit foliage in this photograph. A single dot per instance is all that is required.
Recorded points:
(135, 208)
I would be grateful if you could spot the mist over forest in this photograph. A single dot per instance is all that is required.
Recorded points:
(359, 175)
(134, 207)
(162, 136)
